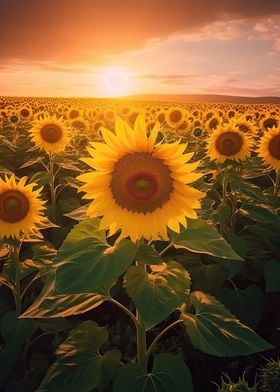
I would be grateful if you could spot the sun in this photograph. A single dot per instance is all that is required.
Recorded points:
(115, 82)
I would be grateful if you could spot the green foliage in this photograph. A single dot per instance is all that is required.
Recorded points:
(240, 386)
(169, 374)
(158, 293)
(51, 305)
(272, 275)
(202, 238)
(15, 333)
(214, 330)
(80, 365)
(269, 376)
(247, 305)
(86, 254)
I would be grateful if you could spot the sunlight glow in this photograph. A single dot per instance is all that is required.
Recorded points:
(115, 82)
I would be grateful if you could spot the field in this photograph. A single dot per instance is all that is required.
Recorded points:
(145, 252)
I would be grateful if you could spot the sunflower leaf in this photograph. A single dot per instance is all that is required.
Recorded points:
(169, 373)
(157, 294)
(199, 237)
(85, 262)
(80, 366)
(214, 330)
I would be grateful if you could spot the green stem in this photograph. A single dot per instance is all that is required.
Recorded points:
(141, 343)
(277, 183)
(234, 209)
(16, 284)
(37, 276)
(166, 248)
(225, 184)
(127, 311)
(52, 187)
(153, 344)
(224, 197)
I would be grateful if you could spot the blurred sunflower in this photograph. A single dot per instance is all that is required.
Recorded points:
(80, 124)
(174, 117)
(246, 126)
(268, 122)
(138, 186)
(213, 123)
(269, 148)
(25, 113)
(20, 207)
(50, 134)
(227, 142)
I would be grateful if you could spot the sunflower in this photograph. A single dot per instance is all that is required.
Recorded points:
(228, 142)
(213, 123)
(50, 134)
(25, 113)
(138, 186)
(246, 126)
(174, 117)
(269, 148)
(20, 207)
(80, 124)
(268, 122)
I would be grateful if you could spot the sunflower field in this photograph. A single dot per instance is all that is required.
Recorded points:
(139, 246)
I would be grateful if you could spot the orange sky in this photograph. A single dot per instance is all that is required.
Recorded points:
(109, 48)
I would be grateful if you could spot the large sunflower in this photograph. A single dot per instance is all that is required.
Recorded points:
(269, 148)
(228, 142)
(20, 207)
(50, 134)
(139, 186)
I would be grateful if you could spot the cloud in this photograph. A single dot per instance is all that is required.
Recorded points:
(174, 80)
(268, 29)
(86, 30)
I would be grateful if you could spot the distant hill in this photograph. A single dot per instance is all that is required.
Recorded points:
(200, 98)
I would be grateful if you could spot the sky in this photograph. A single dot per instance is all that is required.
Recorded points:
(107, 48)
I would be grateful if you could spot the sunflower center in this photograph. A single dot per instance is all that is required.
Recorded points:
(24, 112)
(14, 206)
(51, 133)
(141, 183)
(229, 143)
(274, 147)
(175, 116)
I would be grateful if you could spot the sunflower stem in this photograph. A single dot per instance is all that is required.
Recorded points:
(16, 285)
(277, 183)
(141, 343)
(52, 187)
(170, 245)
(224, 196)
(163, 332)
(234, 209)
(127, 311)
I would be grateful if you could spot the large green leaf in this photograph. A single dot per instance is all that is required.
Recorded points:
(51, 305)
(199, 237)
(206, 277)
(169, 374)
(86, 262)
(80, 366)
(15, 333)
(261, 214)
(272, 275)
(247, 304)
(158, 293)
(246, 189)
(214, 330)
(148, 255)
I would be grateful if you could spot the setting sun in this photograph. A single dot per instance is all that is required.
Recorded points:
(115, 82)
